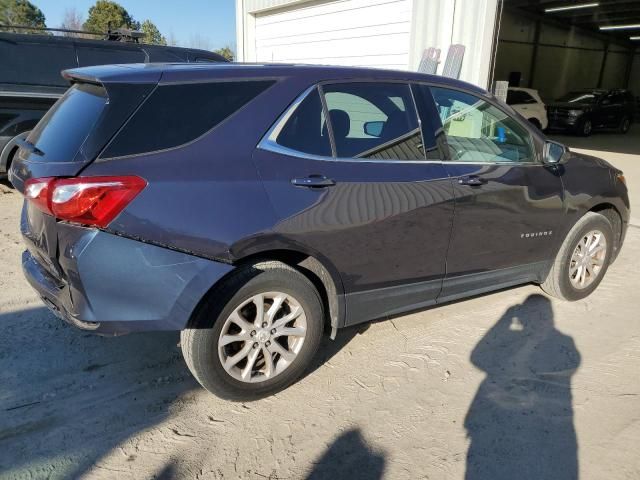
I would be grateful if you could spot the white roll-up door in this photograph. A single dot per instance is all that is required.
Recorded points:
(372, 33)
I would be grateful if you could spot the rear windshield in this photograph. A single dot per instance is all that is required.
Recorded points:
(580, 97)
(65, 127)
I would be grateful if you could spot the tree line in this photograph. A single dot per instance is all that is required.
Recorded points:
(104, 15)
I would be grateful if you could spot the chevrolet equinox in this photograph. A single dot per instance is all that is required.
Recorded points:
(253, 207)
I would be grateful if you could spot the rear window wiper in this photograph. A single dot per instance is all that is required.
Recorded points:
(30, 146)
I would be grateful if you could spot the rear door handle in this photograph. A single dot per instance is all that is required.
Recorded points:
(471, 180)
(313, 181)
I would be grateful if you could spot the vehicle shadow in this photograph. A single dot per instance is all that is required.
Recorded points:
(68, 398)
(520, 422)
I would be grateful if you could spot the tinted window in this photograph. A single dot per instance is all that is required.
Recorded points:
(476, 131)
(305, 131)
(519, 97)
(64, 128)
(35, 63)
(165, 55)
(374, 120)
(176, 114)
(105, 56)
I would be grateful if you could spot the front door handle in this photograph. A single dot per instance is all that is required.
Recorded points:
(313, 181)
(471, 180)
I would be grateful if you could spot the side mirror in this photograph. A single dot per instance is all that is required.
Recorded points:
(373, 129)
(553, 152)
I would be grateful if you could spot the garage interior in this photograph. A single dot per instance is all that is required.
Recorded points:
(558, 46)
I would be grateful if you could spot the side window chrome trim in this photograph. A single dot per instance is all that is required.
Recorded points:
(269, 143)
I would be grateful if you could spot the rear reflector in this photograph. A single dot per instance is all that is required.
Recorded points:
(93, 201)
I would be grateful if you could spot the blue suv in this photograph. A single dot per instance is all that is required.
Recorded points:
(254, 207)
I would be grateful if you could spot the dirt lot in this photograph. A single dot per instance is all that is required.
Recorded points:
(509, 385)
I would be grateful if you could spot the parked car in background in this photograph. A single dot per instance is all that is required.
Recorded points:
(584, 111)
(30, 80)
(253, 206)
(527, 102)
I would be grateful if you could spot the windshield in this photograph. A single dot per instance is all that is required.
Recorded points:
(580, 97)
(65, 127)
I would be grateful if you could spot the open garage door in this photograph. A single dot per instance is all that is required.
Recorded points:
(583, 59)
(372, 33)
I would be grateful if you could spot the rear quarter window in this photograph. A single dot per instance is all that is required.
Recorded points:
(177, 114)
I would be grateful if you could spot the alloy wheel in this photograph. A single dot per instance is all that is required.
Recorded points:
(262, 337)
(587, 127)
(588, 259)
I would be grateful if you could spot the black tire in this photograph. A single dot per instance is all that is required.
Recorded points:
(557, 283)
(625, 124)
(200, 341)
(585, 127)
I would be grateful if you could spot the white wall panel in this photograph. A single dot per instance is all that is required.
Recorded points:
(372, 33)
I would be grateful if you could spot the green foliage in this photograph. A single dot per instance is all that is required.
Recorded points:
(105, 14)
(152, 34)
(226, 52)
(21, 12)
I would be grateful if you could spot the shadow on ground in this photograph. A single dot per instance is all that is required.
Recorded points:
(68, 398)
(521, 420)
(349, 457)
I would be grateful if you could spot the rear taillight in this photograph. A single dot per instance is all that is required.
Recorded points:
(93, 201)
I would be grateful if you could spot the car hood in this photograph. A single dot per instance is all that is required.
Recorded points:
(570, 105)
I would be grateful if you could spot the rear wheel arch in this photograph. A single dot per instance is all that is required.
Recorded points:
(327, 282)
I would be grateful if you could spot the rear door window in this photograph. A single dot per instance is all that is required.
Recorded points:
(65, 127)
(374, 121)
(177, 114)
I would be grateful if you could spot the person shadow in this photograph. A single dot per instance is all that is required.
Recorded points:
(520, 421)
(349, 456)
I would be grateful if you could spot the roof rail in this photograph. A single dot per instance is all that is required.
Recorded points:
(47, 29)
(117, 35)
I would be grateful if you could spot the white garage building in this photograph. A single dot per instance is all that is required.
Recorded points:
(373, 33)
(541, 43)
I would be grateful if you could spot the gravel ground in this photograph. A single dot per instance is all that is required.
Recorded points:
(508, 385)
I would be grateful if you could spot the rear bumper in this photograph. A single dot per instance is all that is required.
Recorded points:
(115, 285)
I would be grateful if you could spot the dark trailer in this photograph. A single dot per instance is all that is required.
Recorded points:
(30, 79)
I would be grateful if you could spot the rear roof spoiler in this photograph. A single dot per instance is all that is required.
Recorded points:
(102, 74)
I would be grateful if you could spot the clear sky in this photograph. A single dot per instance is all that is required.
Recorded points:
(208, 24)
